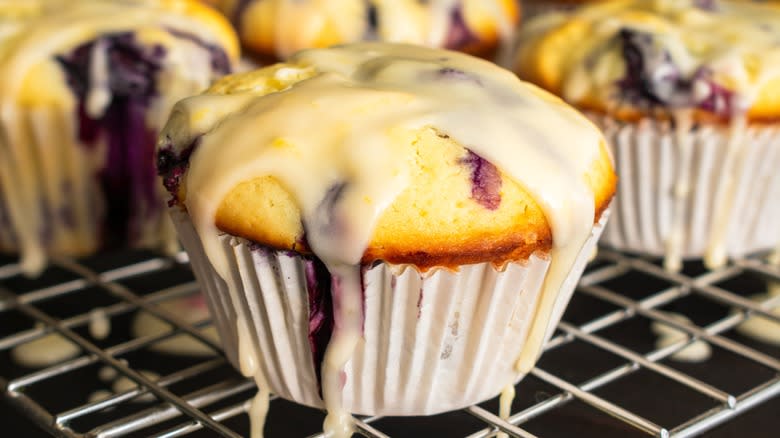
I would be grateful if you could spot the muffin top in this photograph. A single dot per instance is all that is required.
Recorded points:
(34, 32)
(387, 152)
(282, 27)
(634, 57)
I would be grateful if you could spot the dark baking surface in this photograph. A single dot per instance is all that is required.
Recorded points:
(644, 392)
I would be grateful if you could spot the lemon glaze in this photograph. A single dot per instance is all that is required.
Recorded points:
(329, 139)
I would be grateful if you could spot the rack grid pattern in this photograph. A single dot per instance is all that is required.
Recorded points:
(620, 295)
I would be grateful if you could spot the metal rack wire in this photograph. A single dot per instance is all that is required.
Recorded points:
(601, 357)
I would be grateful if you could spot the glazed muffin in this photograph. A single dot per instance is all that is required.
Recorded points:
(362, 218)
(278, 28)
(688, 93)
(87, 86)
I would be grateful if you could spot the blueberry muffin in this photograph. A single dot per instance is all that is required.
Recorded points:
(277, 28)
(87, 86)
(688, 93)
(362, 218)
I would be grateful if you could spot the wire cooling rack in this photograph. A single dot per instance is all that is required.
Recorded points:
(603, 373)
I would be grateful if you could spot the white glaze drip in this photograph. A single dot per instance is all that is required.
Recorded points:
(347, 330)
(99, 94)
(715, 254)
(683, 123)
(249, 360)
(257, 411)
(99, 323)
(325, 140)
(505, 405)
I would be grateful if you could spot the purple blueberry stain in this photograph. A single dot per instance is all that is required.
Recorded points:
(453, 74)
(716, 98)
(321, 320)
(459, 34)
(372, 19)
(485, 181)
(420, 302)
(327, 220)
(323, 290)
(172, 165)
(654, 80)
(128, 179)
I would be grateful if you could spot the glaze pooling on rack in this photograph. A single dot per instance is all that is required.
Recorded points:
(352, 168)
(99, 323)
(64, 87)
(683, 59)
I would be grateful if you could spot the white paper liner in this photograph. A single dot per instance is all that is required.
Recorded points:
(647, 161)
(53, 181)
(431, 343)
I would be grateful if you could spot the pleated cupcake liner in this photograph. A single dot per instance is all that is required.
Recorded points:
(661, 182)
(432, 342)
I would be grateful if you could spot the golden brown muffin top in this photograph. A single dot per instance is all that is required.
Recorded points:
(281, 27)
(32, 32)
(715, 58)
(389, 152)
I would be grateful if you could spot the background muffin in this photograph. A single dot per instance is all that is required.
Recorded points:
(362, 218)
(278, 28)
(687, 93)
(87, 85)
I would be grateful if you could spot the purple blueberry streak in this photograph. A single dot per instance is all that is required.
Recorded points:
(128, 180)
(485, 181)
(318, 286)
(449, 73)
(172, 166)
(654, 80)
(327, 219)
(459, 35)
